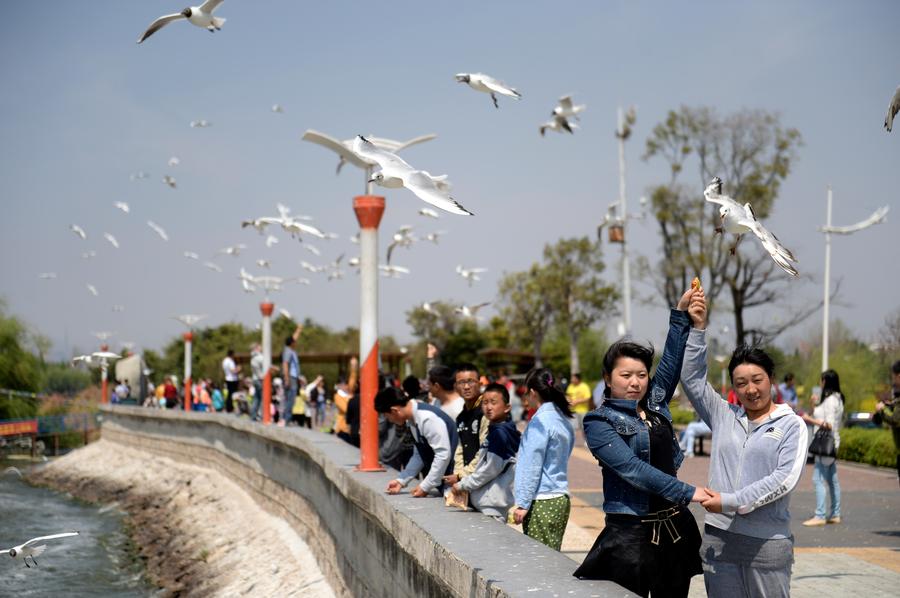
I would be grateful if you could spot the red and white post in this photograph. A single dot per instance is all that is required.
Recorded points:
(104, 385)
(188, 342)
(369, 209)
(266, 309)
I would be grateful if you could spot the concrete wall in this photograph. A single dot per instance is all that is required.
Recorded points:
(367, 543)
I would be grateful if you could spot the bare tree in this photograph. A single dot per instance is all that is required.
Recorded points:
(753, 153)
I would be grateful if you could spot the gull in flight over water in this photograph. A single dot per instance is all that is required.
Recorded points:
(28, 549)
(78, 231)
(112, 240)
(271, 240)
(190, 320)
(738, 219)
(429, 213)
(893, 109)
(345, 152)
(174, 161)
(158, 230)
(470, 274)
(122, 206)
(567, 109)
(419, 182)
(47, 275)
(471, 311)
(200, 16)
(559, 124)
(92, 289)
(487, 84)
(200, 124)
(170, 181)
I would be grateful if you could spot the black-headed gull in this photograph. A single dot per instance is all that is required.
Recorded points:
(92, 289)
(88, 254)
(174, 161)
(468, 311)
(122, 206)
(78, 231)
(429, 213)
(392, 271)
(112, 240)
(139, 175)
(260, 224)
(345, 152)
(170, 181)
(487, 84)
(28, 549)
(200, 16)
(470, 274)
(277, 108)
(191, 255)
(190, 319)
(212, 266)
(312, 249)
(566, 108)
(311, 268)
(893, 109)
(158, 230)
(200, 124)
(433, 237)
(263, 263)
(402, 238)
(419, 182)
(738, 219)
(559, 124)
(232, 250)
(271, 240)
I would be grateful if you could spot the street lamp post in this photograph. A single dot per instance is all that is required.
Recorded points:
(104, 384)
(266, 308)
(877, 217)
(188, 344)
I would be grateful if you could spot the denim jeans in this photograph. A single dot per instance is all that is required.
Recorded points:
(257, 400)
(290, 395)
(827, 475)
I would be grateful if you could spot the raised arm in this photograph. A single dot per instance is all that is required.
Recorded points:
(706, 401)
(665, 380)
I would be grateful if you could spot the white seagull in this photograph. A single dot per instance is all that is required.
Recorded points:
(88, 254)
(158, 230)
(392, 271)
(92, 289)
(471, 311)
(277, 108)
(200, 124)
(139, 175)
(429, 213)
(566, 109)
(232, 250)
(271, 240)
(191, 255)
(260, 224)
(122, 206)
(312, 249)
(310, 268)
(170, 181)
(118, 308)
(402, 238)
(487, 84)
(201, 16)
(112, 240)
(190, 319)
(47, 275)
(285, 313)
(174, 161)
(28, 549)
(559, 124)
(737, 219)
(105, 355)
(893, 109)
(212, 266)
(470, 274)
(264, 263)
(419, 182)
(433, 237)
(355, 239)
(103, 335)
(345, 152)
(78, 231)
(87, 359)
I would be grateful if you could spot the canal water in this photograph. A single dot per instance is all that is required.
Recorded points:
(101, 561)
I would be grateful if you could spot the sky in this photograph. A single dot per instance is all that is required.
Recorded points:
(83, 107)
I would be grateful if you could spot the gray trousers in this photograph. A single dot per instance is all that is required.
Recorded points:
(739, 566)
(731, 580)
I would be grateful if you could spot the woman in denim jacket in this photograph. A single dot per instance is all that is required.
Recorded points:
(541, 486)
(651, 542)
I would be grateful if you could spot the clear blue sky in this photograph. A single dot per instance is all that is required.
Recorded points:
(83, 107)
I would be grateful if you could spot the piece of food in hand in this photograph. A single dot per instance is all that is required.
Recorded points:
(695, 284)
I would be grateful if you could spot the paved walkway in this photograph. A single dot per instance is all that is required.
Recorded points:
(860, 556)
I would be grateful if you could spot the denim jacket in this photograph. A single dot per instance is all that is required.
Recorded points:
(620, 441)
(543, 459)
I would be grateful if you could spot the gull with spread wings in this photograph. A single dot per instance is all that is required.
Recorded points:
(28, 549)
(738, 219)
(487, 84)
(422, 184)
(200, 16)
(344, 149)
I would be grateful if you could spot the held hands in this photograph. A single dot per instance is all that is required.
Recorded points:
(519, 515)
(700, 494)
(713, 504)
(394, 487)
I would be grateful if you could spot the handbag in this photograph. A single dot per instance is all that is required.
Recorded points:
(822, 444)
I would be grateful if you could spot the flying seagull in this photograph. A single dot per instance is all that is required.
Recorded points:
(487, 84)
(567, 109)
(118, 308)
(345, 152)
(402, 238)
(285, 313)
(139, 175)
(392, 271)
(429, 213)
(122, 206)
(170, 181)
(201, 16)
(737, 219)
(271, 240)
(470, 274)
(893, 109)
(174, 161)
(28, 549)
(190, 319)
(92, 289)
(277, 109)
(89, 254)
(112, 240)
(158, 230)
(419, 182)
(191, 255)
(212, 266)
(232, 250)
(433, 237)
(264, 263)
(200, 124)
(47, 275)
(471, 311)
(78, 231)
(312, 249)
(559, 123)
(260, 224)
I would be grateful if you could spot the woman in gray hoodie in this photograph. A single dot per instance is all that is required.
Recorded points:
(758, 454)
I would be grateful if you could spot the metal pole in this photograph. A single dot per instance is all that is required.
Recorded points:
(626, 274)
(266, 309)
(188, 343)
(827, 282)
(369, 209)
(104, 397)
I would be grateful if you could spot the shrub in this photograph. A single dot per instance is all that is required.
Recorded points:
(874, 447)
(681, 416)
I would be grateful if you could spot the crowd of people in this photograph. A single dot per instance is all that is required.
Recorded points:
(502, 448)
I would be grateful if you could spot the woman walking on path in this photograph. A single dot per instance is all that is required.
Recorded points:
(758, 453)
(827, 414)
(651, 543)
(542, 480)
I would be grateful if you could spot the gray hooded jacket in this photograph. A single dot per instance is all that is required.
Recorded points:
(754, 465)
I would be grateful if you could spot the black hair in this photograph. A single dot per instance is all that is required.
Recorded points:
(576, 375)
(389, 397)
(831, 383)
(464, 367)
(752, 355)
(788, 377)
(289, 341)
(625, 348)
(441, 374)
(540, 380)
(230, 353)
(499, 388)
(411, 386)
(896, 367)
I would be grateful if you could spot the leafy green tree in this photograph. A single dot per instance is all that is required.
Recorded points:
(579, 296)
(437, 324)
(526, 305)
(753, 154)
(62, 378)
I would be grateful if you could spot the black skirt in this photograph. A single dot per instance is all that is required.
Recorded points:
(625, 553)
